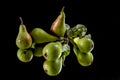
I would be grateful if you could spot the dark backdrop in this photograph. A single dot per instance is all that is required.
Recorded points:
(101, 19)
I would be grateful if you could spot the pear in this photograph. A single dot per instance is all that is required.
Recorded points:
(41, 36)
(58, 27)
(85, 59)
(23, 40)
(52, 51)
(84, 44)
(24, 55)
(52, 68)
(38, 51)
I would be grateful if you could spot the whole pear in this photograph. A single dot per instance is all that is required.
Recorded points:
(58, 26)
(52, 68)
(41, 36)
(85, 59)
(23, 40)
(52, 51)
(24, 55)
(84, 44)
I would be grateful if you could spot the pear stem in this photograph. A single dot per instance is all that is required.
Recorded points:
(71, 40)
(62, 9)
(21, 20)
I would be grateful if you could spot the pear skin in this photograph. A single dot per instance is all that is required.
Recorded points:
(41, 36)
(58, 26)
(23, 40)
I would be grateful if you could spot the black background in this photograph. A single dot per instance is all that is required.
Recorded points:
(101, 19)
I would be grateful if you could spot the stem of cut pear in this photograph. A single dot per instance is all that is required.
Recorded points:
(21, 20)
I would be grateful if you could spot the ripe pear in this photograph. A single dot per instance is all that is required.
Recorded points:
(24, 55)
(85, 59)
(52, 51)
(58, 26)
(41, 36)
(23, 40)
(52, 68)
(84, 44)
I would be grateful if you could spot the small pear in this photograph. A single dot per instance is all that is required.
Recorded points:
(41, 36)
(52, 68)
(58, 26)
(24, 55)
(84, 44)
(23, 40)
(52, 51)
(38, 51)
(85, 59)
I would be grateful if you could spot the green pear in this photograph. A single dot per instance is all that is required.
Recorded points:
(24, 55)
(52, 51)
(85, 59)
(23, 40)
(52, 68)
(84, 44)
(41, 36)
(38, 51)
(58, 26)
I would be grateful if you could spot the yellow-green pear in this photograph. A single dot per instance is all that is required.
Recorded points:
(58, 26)
(84, 44)
(52, 68)
(52, 51)
(41, 36)
(24, 55)
(23, 40)
(85, 59)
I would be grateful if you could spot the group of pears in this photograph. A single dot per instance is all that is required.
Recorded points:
(55, 47)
